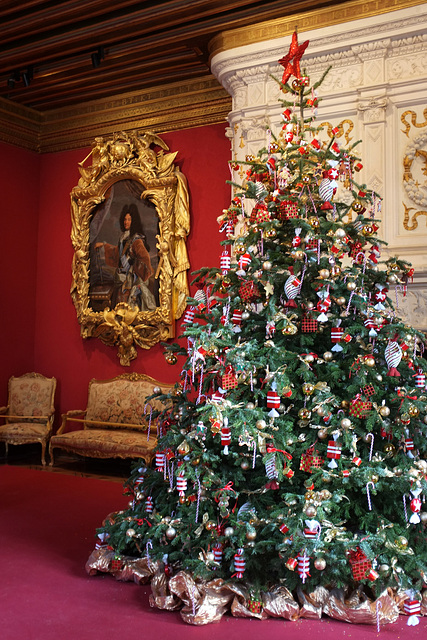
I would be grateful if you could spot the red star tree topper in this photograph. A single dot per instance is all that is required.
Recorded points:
(291, 60)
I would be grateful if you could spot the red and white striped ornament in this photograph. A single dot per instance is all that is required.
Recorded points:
(239, 563)
(303, 566)
(393, 356)
(236, 318)
(149, 505)
(160, 461)
(225, 262)
(273, 401)
(225, 436)
(420, 378)
(181, 484)
(217, 552)
(333, 452)
(292, 289)
(412, 608)
(189, 315)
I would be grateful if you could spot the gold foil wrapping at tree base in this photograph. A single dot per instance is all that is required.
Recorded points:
(139, 570)
(203, 602)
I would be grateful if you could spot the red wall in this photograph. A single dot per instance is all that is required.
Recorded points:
(19, 188)
(59, 349)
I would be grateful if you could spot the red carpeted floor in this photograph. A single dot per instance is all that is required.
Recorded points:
(47, 525)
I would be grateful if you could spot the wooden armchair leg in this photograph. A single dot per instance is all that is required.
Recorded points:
(43, 453)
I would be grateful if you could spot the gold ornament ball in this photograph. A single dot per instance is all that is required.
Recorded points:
(310, 511)
(306, 178)
(244, 465)
(345, 404)
(320, 411)
(368, 230)
(314, 222)
(351, 285)
(250, 535)
(228, 532)
(345, 423)
(401, 542)
(298, 255)
(261, 424)
(413, 411)
(328, 355)
(357, 206)
(425, 419)
(320, 564)
(384, 569)
(340, 301)
(266, 265)
(322, 434)
(389, 450)
(171, 358)
(250, 406)
(423, 517)
(130, 533)
(170, 533)
(324, 273)
(398, 472)
(271, 233)
(210, 525)
(309, 305)
(370, 362)
(309, 358)
(384, 411)
(374, 478)
(325, 494)
(304, 413)
(307, 388)
(195, 462)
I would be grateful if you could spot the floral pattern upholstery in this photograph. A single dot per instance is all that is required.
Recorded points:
(116, 420)
(106, 443)
(30, 397)
(30, 410)
(121, 401)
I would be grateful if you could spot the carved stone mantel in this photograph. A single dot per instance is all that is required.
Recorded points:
(376, 83)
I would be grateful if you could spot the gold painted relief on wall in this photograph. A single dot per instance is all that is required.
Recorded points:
(415, 169)
(130, 222)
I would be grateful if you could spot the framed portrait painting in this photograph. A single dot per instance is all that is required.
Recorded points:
(130, 221)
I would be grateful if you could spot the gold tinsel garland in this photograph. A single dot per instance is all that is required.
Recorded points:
(202, 602)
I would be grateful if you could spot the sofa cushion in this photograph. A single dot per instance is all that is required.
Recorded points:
(106, 443)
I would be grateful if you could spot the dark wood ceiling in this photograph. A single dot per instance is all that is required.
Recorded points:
(49, 49)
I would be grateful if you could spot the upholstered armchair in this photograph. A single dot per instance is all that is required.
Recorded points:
(29, 413)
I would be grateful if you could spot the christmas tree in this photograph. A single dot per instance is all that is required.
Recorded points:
(292, 455)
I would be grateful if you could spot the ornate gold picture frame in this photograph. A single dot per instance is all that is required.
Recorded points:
(130, 221)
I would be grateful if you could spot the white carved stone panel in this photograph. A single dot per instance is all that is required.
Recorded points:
(376, 92)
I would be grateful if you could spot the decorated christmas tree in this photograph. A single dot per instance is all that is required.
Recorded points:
(291, 459)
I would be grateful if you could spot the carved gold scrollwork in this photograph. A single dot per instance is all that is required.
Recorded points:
(410, 226)
(341, 129)
(114, 301)
(414, 122)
